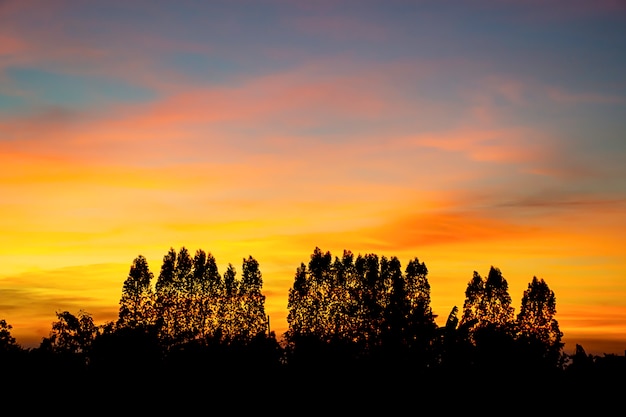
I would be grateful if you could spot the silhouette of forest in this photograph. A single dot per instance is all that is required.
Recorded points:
(361, 335)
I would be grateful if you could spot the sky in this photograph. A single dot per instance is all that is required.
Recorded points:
(467, 134)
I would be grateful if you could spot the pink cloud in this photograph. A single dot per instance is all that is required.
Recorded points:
(492, 145)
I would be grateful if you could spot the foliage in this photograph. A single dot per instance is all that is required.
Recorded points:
(364, 306)
(7, 341)
(136, 302)
(349, 315)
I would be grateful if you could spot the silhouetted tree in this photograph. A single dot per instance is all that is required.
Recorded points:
(7, 341)
(487, 302)
(488, 318)
(228, 306)
(409, 328)
(165, 303)
(395, 333)
(14, 366)
(207, 291)
(371, 294)
(251, 301)
(299, 313)
(421, 325)
(310, 299)
(173, 297)
(361, 308)
(538, 334)
(71, 338)
(183, 296)
(136, 302)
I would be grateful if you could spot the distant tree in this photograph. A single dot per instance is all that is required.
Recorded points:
(538, 333)
(136, 302)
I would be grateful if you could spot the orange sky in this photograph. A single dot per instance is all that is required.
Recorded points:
(468, 141)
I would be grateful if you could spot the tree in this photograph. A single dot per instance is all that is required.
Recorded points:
(137, 296)
(71, 336)
(488, 319)
(227, 305)
(360, 308)
(7, 341)
(421, 325)
(253, 320)
(538, 333)
(173, 297)
(298, 305)
(487, 302)
(207, 290)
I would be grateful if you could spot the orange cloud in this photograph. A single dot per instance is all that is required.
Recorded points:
(492, 145)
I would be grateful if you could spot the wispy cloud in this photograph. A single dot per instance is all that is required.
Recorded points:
(562, 96)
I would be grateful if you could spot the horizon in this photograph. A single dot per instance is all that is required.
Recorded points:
(468, 136)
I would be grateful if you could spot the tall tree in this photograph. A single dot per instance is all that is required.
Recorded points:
(488, 320)
(228, 305)
(538, 332)
(206, 291)
(343, 306)
(371, 297)
(251, 300)
(165, 304)
(421, 325)
(174, 290)
(487, 302)
(298, 305)
(360, 304)
(398, 307)
(137, 296)
(310, 300)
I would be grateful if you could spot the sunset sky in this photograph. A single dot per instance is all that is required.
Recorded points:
(468, 134)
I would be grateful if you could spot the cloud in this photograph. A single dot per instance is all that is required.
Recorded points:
(563, 96)
(500, 145)
(339, 28)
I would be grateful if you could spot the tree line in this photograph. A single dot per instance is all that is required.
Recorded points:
(345, 315)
